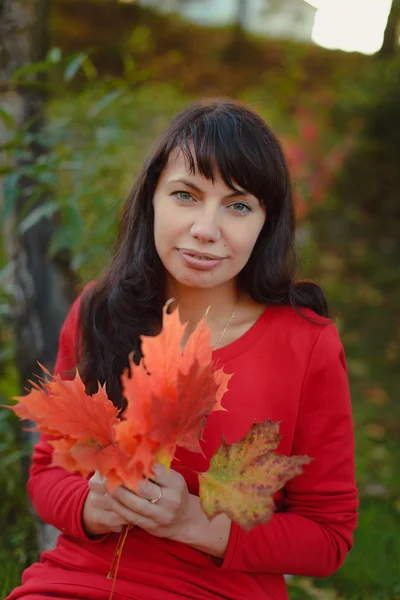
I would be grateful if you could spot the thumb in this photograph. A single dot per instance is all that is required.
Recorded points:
(98, 482)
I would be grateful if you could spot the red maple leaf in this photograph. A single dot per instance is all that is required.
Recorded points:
(169, 396)
(62, 408)
(170, 393)
(163, 352)
(83, 425)
(179, 421)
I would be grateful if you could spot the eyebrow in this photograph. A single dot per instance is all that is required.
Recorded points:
(186, 182)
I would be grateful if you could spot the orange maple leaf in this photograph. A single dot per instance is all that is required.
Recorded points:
(83, 425)
(180, 421)
(170, 393)
(62, 408)
(163, 352)
(198, 348)
(62, 455)
(169, 396)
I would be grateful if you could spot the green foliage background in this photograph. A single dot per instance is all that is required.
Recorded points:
(106, 107)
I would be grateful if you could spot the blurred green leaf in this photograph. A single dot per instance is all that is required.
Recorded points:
(44, 211)
(89, 69)
(10, 196)
(140, 41)
(104, 102)
(63, 239)
(30, 69)
(54, 55)
(7, 118)
(80, 61)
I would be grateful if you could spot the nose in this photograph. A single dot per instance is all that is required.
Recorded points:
(206, 227)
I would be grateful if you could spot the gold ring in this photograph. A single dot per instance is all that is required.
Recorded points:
(155, 500)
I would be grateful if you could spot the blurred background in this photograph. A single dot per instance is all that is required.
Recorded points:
(86, 85)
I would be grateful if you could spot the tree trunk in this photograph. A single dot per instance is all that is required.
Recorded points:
(241, 14)
(235, 50)
(42, 288)
(390, 43)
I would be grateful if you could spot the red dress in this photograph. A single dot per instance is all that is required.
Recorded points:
(285, 369)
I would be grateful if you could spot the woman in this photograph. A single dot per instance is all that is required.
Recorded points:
(209, 222)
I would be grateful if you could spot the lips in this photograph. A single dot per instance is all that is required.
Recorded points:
(201, 261)
(201, 255)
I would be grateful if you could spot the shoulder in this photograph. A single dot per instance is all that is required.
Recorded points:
(71, 322)
(301, 320)
(304, 330)
(309, 347)
(69, 339)
(298, 318)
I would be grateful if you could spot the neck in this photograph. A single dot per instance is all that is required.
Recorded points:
(218, 302)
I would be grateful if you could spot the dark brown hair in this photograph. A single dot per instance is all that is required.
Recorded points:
(127, 300)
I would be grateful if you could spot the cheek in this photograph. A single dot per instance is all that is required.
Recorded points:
(245, 240)
(162, 222)
(167, 229)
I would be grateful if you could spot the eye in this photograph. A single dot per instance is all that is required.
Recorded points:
(240, 207)
(183, 196)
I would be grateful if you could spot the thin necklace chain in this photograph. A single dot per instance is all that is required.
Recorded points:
(228, 323)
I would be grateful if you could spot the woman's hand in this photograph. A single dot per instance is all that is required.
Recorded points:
(98, 517)
(167, 516)
(173, 514)
(160, 507)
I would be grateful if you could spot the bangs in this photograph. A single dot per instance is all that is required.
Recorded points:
(221, 143)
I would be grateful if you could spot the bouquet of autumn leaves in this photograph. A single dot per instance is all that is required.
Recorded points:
(169, 396)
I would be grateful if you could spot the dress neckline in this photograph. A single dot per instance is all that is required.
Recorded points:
(248, 339)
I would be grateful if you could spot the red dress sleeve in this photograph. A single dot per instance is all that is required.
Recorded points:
(57, 495)
(315, 530)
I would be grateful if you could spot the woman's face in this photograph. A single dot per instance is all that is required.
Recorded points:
(204, 231)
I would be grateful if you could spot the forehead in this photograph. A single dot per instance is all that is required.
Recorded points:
(177, 162)
(178, 165)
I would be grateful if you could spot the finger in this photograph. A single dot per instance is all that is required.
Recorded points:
(127, 504)
(113, 521)
(162, 475)
(98, 477)
(169, 479)
(97, 483)
(144, 523)
(103, 501)
(149, 490)
(134, 520)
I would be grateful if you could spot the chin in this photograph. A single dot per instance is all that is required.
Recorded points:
(201, 280)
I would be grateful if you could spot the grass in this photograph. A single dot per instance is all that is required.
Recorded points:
(372, 570)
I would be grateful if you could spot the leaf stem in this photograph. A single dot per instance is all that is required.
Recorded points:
(117, 557)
